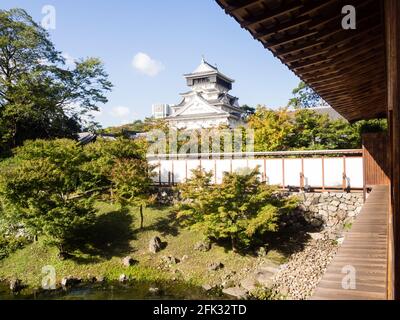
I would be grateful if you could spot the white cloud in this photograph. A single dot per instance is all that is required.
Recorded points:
(96, 113)
(120, 112)
(69, 60)
(146, 65)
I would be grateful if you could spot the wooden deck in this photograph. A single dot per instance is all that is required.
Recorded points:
(364, 248)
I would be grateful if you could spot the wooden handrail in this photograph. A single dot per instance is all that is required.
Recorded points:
(257, 154)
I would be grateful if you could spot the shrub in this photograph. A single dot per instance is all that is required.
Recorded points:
(10, 244)
(240, 209)
(41, 189)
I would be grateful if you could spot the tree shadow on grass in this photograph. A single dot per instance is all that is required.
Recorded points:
(108, 237)
(167, 225)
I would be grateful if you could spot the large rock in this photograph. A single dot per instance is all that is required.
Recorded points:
(128, 261)
(207, 287)
(236, 292)
(264, 275)
(15, 285)
(249, 283)
(154, 290)
(228, 283)
(215, 266)
(123, 278)
(202, 246)
(265, 278)
(70, 281)
(155, 245)
(170, 260)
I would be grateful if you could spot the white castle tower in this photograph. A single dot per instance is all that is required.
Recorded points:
(208, 103)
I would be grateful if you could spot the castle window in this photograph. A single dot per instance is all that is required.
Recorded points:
(201, 80)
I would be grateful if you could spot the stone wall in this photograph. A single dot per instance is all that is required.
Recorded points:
(166, 195)
(327, 213)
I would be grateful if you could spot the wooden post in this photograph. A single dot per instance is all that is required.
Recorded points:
(392, 26)
(344, 181)
(323, 174)
(172, 172)
(302, 175)
(186, 169)
(364, 163)
(265, 170)
(159, 172)
(215, 171)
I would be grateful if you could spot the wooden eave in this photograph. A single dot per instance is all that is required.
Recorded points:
(345, 67)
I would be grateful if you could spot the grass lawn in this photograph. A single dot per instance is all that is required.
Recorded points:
(116, 235)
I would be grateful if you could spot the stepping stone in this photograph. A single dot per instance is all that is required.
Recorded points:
(236, 292)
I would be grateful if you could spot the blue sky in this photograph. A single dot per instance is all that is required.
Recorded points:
(170, 38)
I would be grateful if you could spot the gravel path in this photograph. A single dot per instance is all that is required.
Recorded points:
(297, 279)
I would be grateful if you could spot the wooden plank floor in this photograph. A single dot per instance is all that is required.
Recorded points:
(365, 249)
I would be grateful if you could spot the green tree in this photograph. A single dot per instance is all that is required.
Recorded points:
(305, 97)
(121, 167)
(272, 129)
(307, 131)
(136, 126)
(317, 131)
(102, 156)
(240, 209)
(247, 111)
(374, 125)
(41, 187)
(132, 184)
(40, 97)
(281, 130)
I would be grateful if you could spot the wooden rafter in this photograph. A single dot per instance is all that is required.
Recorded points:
(346, 67)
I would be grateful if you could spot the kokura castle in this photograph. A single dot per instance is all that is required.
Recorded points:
(207, 104)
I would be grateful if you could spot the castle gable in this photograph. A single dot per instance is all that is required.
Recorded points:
(197, 106)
